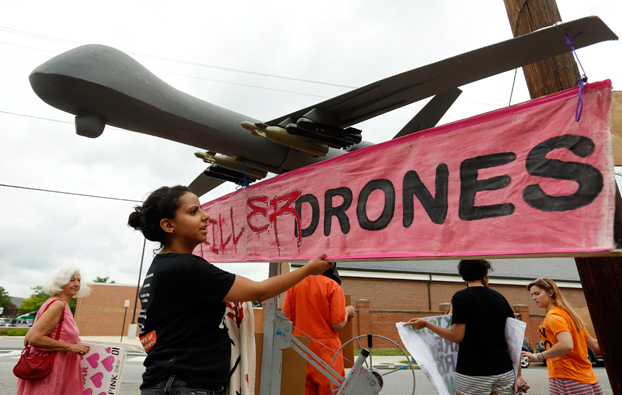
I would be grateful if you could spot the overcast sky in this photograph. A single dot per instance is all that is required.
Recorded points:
(215, 51)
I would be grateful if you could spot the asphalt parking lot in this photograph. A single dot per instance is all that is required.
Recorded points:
(397, 383)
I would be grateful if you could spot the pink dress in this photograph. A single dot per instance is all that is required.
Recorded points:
(65, 376)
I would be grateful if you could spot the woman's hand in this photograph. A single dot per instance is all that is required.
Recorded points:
(592, 343)
(80, 349)
(244, 289)
(454, 334)
(417, 323)
(350, 312)
(318, 265)
(530, 356)
(520, 385)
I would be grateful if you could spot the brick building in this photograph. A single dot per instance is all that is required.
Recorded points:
(103, 311)
(383, 293)
(15, 303)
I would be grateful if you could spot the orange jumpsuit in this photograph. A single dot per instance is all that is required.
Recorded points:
(313, 305)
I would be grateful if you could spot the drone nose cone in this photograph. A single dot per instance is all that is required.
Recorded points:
(73, 62)
(79, 80)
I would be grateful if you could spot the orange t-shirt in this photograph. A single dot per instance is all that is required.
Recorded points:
(314, 305)
(573, 365)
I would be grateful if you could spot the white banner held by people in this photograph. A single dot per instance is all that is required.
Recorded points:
(435, 356)
(514, 334)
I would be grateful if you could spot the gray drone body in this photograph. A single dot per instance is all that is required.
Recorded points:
(103, 86)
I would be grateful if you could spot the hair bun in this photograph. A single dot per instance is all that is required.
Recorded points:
(161, 203)
(136, 219)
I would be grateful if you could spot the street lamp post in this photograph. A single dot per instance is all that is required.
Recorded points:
(131, 334)
(127, 304)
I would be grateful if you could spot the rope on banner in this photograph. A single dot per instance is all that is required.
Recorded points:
(243, 182)
(581, 81)
(515, 31)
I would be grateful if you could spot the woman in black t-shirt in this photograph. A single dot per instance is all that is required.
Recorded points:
(478, 325)
(183, 297)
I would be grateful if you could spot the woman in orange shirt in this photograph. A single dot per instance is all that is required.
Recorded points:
(565, 342)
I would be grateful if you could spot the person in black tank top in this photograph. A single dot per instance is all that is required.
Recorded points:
(183, 297)
(478, 326)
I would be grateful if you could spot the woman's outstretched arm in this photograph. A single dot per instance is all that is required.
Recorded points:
(244, 289)
(564, 346)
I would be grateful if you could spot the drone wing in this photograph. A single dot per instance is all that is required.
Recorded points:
(330, 122)
(402, 89)
(203, 184)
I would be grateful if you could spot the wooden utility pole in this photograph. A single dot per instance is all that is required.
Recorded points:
(601, 278)
(554, 74)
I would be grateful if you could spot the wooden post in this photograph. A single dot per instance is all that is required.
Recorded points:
(601, 278)
(602, 285)
(554, 74)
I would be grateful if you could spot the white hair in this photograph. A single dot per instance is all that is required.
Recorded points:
(61, 277)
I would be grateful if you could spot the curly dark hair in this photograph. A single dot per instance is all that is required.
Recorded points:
(162, 203)
(473, 269)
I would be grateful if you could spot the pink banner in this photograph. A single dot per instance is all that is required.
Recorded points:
(527, 179)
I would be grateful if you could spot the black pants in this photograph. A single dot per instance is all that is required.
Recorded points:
(178, 387)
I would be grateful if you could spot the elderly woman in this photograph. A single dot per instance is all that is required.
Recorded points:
(65, 378)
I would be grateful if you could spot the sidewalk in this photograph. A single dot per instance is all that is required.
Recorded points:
(385, 362)
(379, 362)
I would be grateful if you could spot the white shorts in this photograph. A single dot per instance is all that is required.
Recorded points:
(502, 384)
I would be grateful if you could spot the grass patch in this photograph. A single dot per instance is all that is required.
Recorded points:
(13, 332)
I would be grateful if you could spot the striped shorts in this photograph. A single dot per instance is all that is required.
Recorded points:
(571, 387)
(502, 384)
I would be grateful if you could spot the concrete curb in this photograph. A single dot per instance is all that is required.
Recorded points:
(390, 366)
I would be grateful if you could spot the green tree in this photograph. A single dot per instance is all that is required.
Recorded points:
(34, 302)
(5, 301)
(102, 280)
(72, 305)
(38, 297)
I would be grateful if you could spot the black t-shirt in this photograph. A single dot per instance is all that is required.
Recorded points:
(483, 351)
(182, 321)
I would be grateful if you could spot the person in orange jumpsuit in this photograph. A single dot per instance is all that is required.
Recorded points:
(317, 308)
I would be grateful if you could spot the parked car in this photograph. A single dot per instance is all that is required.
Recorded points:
(595, 357)
(524, 361)
(21, 323)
